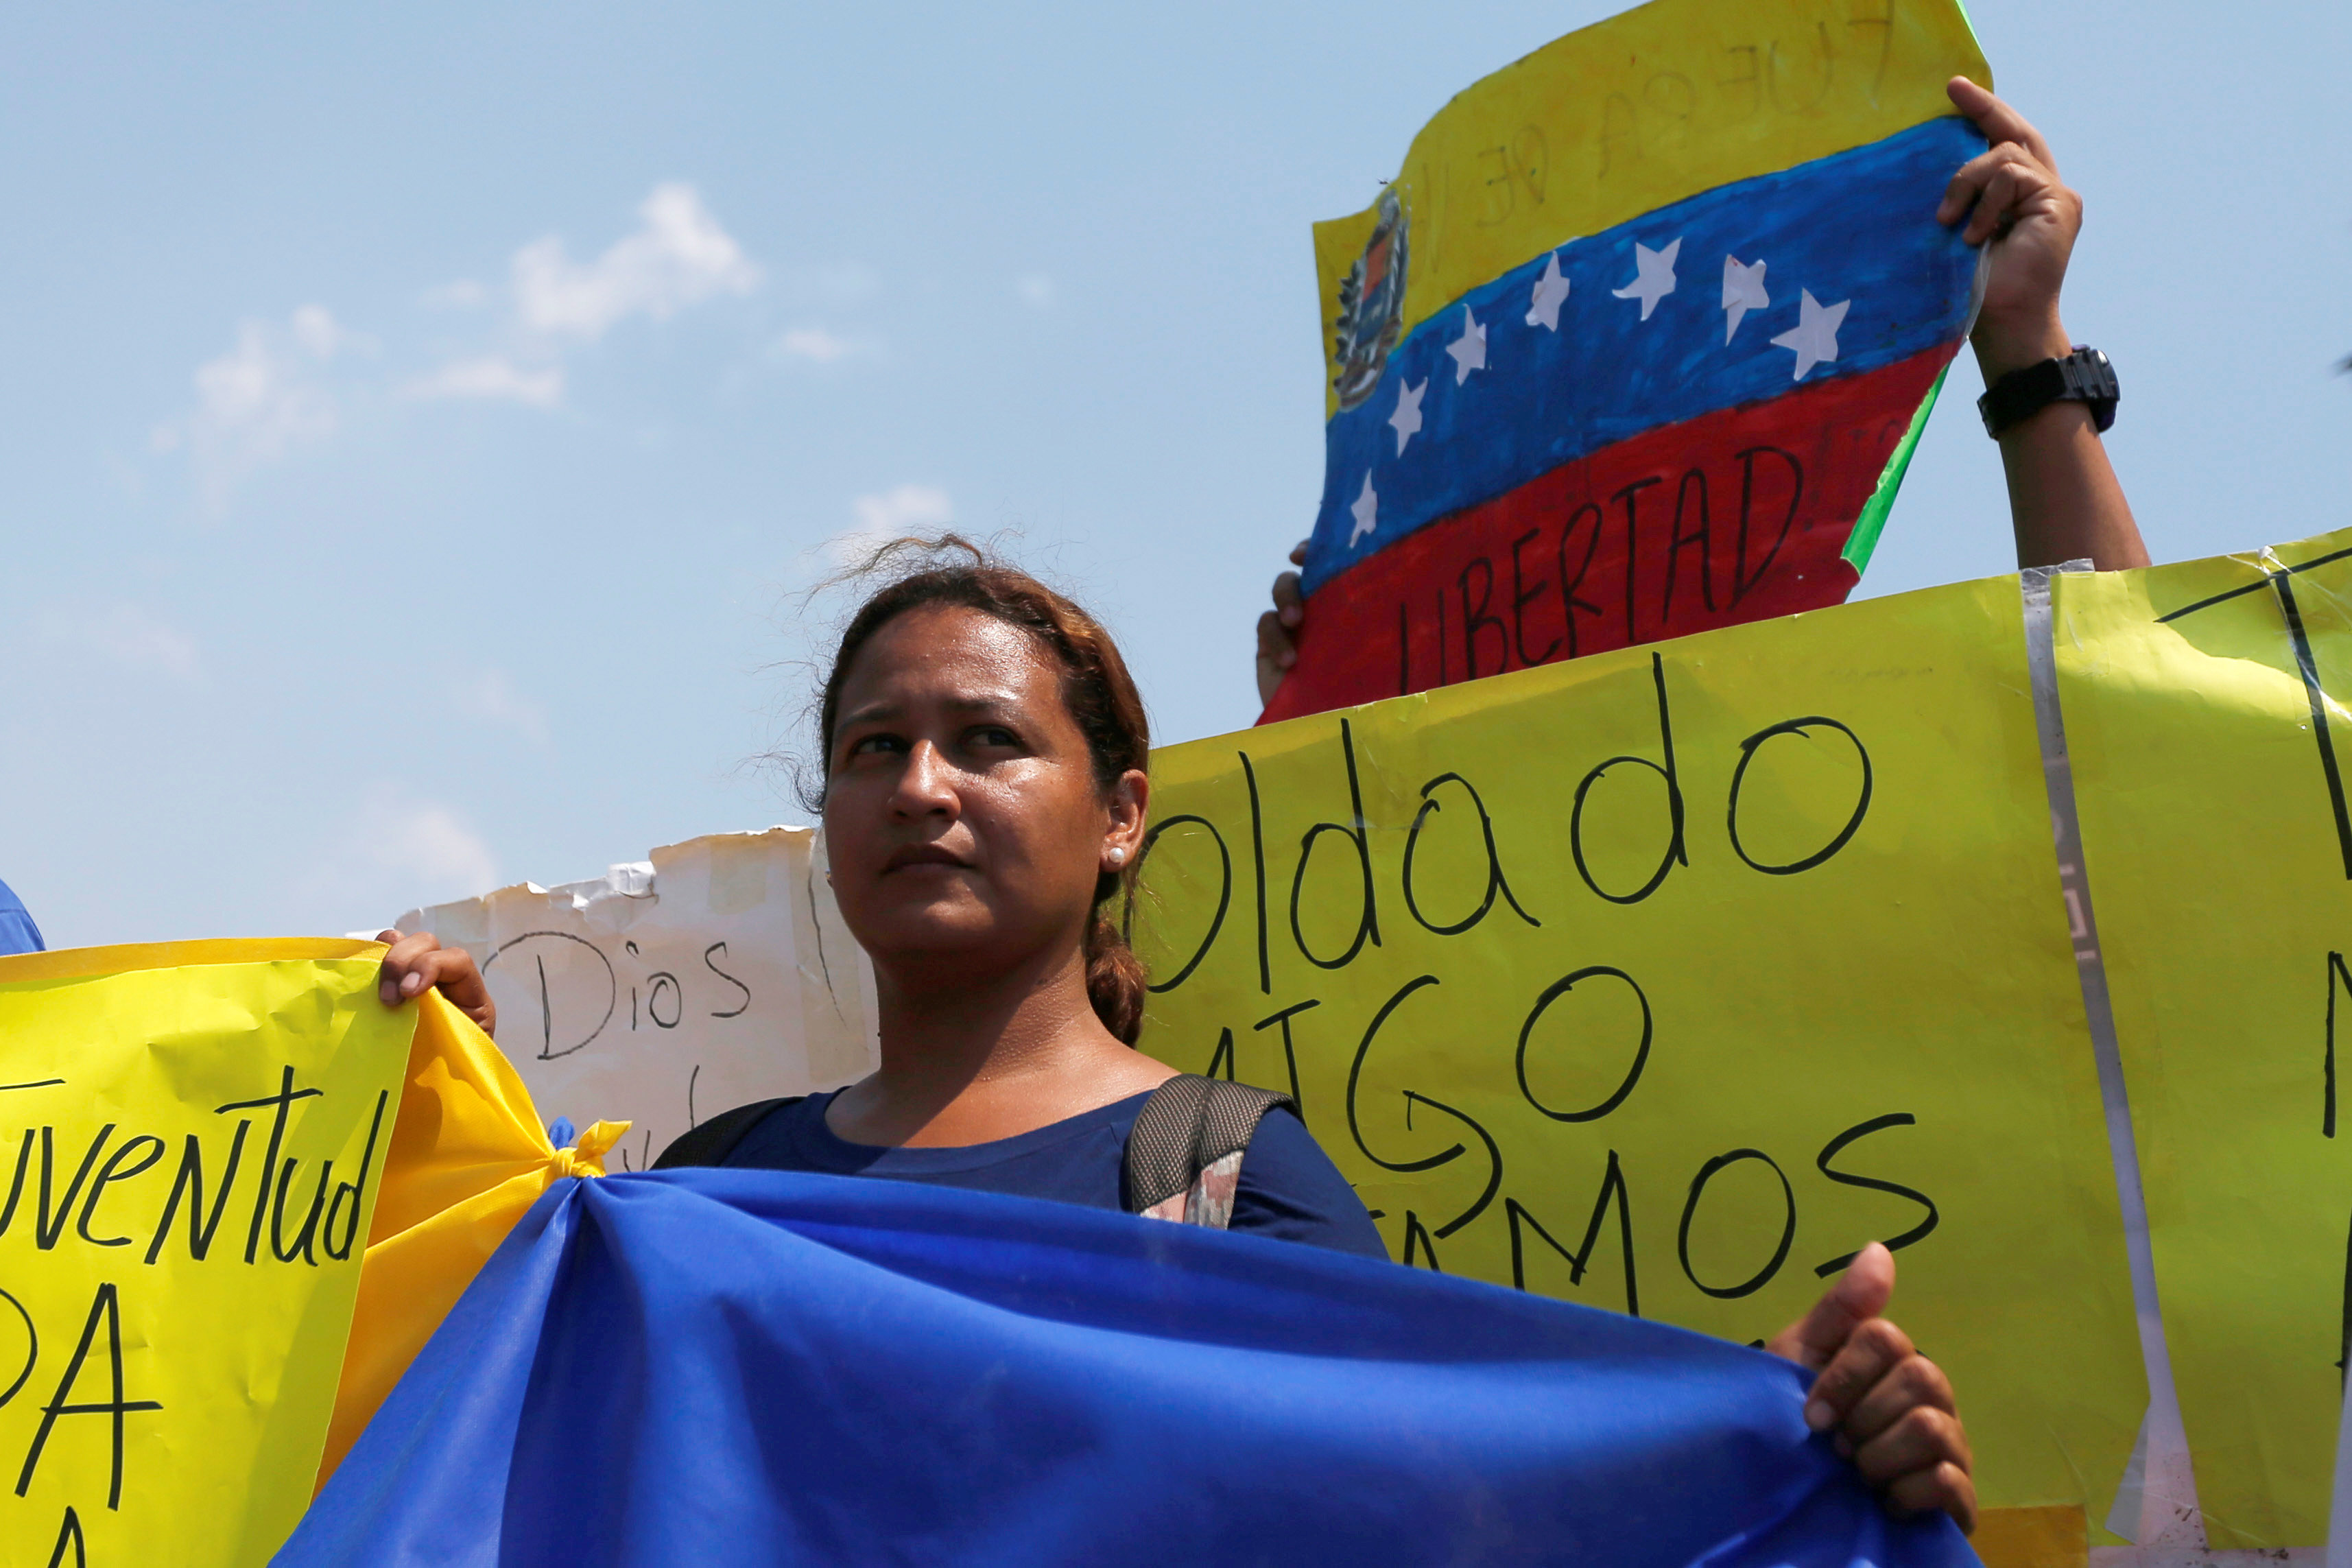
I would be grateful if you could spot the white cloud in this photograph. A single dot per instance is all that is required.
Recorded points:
(816, 344)
(389, 849)
(271, 391)
(319, 333)
(492, 376)
(126, 635)
(894, 512)
(494, 700)
(425, 844)
(677, 256)
(1037, 290)
(259, 400)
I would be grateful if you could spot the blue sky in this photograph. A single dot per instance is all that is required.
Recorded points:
(417, 421)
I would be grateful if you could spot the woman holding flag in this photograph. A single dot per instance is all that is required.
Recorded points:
(985, 796)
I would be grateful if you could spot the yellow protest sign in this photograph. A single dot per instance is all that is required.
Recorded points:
(1664, 980)
(191, 1139)
(2210, 748)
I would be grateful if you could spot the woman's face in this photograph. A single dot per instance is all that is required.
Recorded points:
(963, 825)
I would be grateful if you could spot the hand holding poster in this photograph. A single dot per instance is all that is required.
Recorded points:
(1637, 342)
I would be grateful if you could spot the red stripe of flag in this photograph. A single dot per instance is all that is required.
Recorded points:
(1738, 515)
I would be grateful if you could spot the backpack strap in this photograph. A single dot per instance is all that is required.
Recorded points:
(1184, 1152)
(710, 1142)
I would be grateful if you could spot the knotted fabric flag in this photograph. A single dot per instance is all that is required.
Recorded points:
(738, 1366)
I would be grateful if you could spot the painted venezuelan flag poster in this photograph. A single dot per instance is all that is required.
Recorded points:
(1638, 342)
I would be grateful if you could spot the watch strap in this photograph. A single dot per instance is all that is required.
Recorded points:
(2084, 376)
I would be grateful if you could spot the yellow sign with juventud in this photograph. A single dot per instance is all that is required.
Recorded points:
(191, 1139)
(2213, 751)
(1664, 980)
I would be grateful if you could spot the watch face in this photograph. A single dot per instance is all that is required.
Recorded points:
(2089, 376)
(2084, 376)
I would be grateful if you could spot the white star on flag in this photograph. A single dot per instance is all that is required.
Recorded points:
(1814, 337)
(1367, 510)
(1469, 349)
(1551, 292)
(1407, 418)
(1743, 291)
(1653, 275)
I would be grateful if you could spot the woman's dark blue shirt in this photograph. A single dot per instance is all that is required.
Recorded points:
(1290, 1188)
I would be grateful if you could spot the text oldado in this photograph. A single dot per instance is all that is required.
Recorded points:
(1353, 844)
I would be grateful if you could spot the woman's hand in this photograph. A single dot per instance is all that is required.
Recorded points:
(419, 963)
(1891, 1407)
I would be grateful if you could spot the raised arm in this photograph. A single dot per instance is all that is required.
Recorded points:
(2064, 502)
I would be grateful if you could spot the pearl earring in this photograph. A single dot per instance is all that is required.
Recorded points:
(1119, 856)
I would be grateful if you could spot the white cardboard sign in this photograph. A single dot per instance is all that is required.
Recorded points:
(715, 973)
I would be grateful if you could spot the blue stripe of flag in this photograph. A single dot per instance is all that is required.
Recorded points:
(764, 1366)
(1857, 226)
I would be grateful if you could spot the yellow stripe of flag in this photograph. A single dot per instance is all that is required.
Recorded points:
(1641, 110)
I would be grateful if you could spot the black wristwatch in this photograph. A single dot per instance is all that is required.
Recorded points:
(2084, 376)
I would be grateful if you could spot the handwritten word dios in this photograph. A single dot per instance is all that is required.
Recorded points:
(578, 989)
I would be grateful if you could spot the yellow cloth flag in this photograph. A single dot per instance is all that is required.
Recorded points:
(192, 1136)
(468, 1159)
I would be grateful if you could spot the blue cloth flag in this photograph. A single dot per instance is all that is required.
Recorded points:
(723, 1366)
(17, 931)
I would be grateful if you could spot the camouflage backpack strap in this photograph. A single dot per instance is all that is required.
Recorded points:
(1184, 1152)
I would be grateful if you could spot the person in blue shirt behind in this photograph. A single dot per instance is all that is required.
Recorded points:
(17, 931)
(984, 796)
